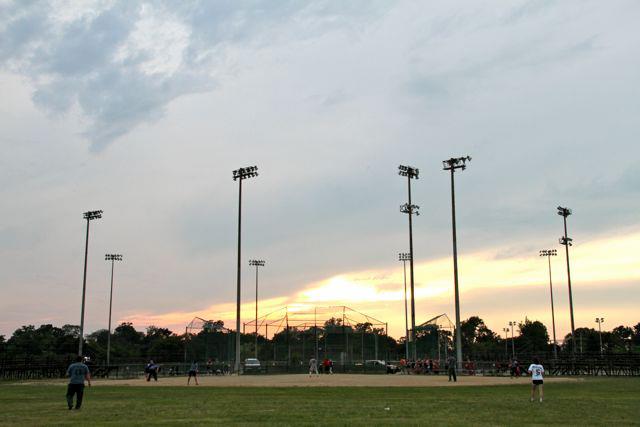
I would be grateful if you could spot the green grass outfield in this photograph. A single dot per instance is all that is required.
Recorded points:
(610, 401)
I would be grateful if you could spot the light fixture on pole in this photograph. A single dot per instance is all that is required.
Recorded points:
(89, 216)
(112, 258)
(410, 209)
(256, 263)
(549, 253)
(600, 321)
(240, 175)
(404, 257)
(566, 241)
(513, 346)
(451, 165)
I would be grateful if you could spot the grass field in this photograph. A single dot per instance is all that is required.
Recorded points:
(591, 402)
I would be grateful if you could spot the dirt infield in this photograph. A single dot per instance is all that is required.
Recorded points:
(336, 380)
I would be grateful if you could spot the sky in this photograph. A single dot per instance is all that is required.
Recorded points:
(144, 109)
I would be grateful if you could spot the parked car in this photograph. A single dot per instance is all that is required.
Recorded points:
(251, 364)
(391, 369)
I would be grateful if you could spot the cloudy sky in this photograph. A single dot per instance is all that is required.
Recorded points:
(143, 109)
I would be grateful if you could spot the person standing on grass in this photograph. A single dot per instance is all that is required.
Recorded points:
(451, 368)
(536, 371)
(193, 372)
(313, 367)
(78, 372)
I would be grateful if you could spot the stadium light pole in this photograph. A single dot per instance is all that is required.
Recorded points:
(600, 321)
(112, 258)
(257, 263)
(451, 165)
(240, 175)
(566, 241)
(549, 253)
(410, 209)
(404, 257)
(506, 341)
(89, 216)
(513, 346)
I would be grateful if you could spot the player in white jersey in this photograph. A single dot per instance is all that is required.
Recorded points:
(536, 371)
(313, 367)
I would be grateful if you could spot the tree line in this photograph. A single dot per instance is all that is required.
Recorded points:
(333, 339)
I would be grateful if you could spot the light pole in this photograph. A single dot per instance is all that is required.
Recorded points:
(112, 258)
(451, 165)
(89, 216)
(600, 321)
(549, 253)
(257, 263)
(404, 257)
(240, 175)
(566, 241)
(506, 341)
(410, 209)
(513, 347)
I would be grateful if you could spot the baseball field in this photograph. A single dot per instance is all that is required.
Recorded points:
(327, 400)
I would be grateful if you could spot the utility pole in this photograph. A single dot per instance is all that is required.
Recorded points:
(600, 321)
(566, 241)
(112, 258)
(404, 257)
(513, 346)
(240, 175)
(451, 165)
(257, 263)
(89, 216)
(410, 209)
(549, 253)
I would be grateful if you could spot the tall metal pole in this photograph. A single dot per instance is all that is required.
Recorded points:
(90, 215)
(566, 241)
(240, 175)
(112, 258)
(84, 290)
(256, 263)
(236, 365)
(451, 165)
(406, 313)
(455, 274)
(599, 321)
(513, 346)
(553, 316)
(110, 305)
(413, 301)
(256, 354)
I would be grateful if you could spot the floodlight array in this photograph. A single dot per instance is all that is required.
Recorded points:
(456, 163)
(565, 241)
(409, 171)
(565, 212)
(599, 319)
(113, 257)
(410, 209)
(244, 173)
(548, 252)
(256, 262)
(403, 256)
(92, 215)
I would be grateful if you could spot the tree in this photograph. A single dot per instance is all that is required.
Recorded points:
(533, 337)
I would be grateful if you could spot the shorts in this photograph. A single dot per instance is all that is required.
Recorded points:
(192, 373)
(538, 382)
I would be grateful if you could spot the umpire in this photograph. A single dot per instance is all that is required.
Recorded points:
(451, 368)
